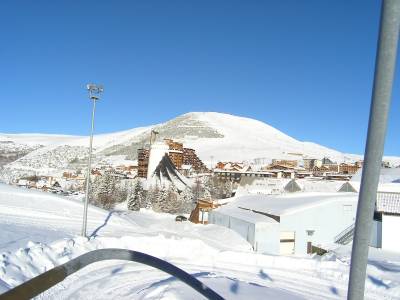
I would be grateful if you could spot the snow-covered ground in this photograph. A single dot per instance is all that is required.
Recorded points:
(39, 231)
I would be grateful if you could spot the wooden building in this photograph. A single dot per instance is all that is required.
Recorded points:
(143, 162)
(175, 152)
(179, 156)
(190, 158)
(200, 213)
(348, 168)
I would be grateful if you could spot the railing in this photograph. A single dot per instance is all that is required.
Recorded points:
(342, 238)
(46, 280)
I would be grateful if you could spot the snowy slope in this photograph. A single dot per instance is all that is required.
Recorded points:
(33, 139)
(246, 139)
(215, 255)
(215, 137)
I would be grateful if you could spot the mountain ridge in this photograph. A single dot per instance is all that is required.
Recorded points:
(215, 137)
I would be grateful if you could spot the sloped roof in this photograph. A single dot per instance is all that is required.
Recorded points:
(382, 187)
(166, 173)
(244, 214)
(289, 203)
(261, 185)
(318, 185)
(387, 175)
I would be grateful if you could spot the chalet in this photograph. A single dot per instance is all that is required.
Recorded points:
(200, 213)
(233, 166)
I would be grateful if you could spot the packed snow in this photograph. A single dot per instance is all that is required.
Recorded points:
(40, 231)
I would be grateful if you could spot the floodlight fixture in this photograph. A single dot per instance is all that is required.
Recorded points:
(94, 90)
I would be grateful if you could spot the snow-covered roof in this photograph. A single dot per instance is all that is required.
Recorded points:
(382, 187)
(387, 175)
(289, 203)
(261, 185)
(318, 185)
(244, 214)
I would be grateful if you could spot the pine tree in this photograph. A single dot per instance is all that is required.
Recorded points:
(135, 197)
(104, 191)
(187, 200)
(160, 200)
(173, 203)
(228, 188)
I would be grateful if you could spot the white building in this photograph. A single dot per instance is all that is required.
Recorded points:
(290, 223)
(387, 210)
(387, 221)
(157, 152)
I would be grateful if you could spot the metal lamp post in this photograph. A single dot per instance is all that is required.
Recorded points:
(94, 94)
(380, 104)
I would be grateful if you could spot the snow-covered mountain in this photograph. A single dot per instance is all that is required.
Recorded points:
(215, 137)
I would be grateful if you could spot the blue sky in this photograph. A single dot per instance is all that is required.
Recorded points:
(304, 67)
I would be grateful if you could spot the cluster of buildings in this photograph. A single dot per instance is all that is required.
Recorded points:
(285, 216)
(325, 165)
(284, 168)
(44, 183)
(184, 160)
(73, 180)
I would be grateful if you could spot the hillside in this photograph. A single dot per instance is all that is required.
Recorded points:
(215, 137)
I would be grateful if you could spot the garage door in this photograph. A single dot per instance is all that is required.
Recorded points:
(287, 240)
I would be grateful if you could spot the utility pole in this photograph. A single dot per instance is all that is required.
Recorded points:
(381, 97)
(94, 94)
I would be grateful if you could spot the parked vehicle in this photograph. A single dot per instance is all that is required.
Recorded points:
(180, 219)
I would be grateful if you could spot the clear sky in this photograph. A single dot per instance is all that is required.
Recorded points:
(304, 67)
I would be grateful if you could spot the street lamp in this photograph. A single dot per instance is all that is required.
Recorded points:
(94, 94)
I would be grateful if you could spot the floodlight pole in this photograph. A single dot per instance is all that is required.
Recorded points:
(381, 96)
(93, 89)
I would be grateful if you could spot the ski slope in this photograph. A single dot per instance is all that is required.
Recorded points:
(39, 231)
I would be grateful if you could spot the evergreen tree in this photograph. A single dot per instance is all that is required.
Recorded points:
(228, 189)
(135, 197)
(160, 199)
(187, 199)
(104, 191)
(173, 203)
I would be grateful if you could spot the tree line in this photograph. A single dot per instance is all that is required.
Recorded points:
(107, 191)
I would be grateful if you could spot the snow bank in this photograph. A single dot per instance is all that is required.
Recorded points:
(309, 277)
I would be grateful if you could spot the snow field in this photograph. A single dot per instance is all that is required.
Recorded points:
(217, 256)
(311, 278)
